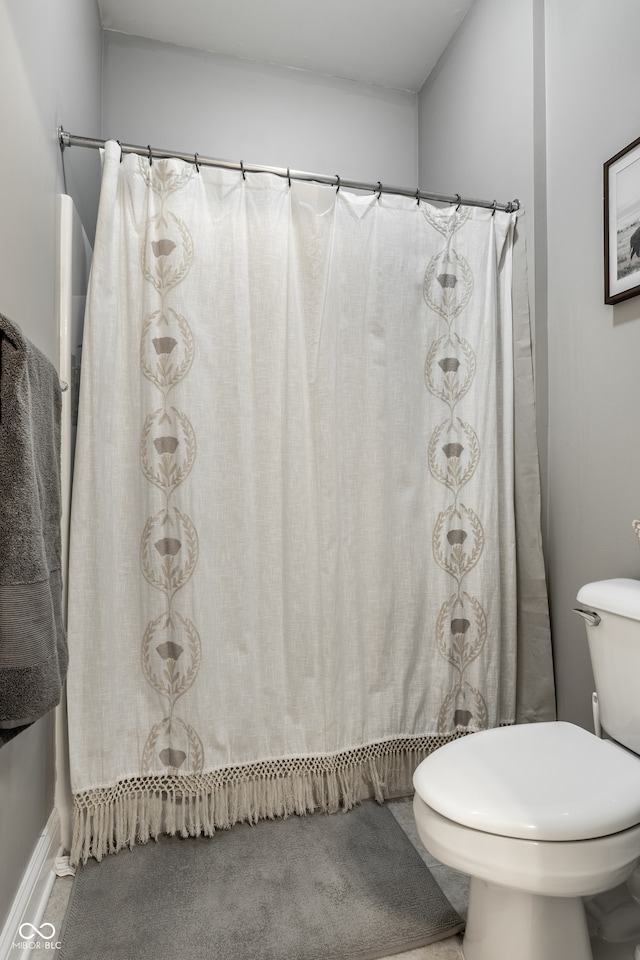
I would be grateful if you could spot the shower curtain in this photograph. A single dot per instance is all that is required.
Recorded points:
(305, 548)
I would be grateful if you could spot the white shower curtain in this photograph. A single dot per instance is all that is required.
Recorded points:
(293, 548)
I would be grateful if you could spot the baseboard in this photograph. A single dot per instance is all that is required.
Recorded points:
(33, 894)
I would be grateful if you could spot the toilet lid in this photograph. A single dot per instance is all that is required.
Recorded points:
(537, 781)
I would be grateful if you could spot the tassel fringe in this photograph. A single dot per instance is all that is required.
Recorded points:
(134, 811)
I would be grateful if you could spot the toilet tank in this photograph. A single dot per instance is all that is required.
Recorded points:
(614, 648)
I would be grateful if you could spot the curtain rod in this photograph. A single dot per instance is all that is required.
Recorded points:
(66, 139)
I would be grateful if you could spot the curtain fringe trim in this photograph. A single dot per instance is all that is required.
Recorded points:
(134, 811)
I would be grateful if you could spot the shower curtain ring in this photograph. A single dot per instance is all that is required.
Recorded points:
(288, 177)
(418, 195)
(195, 160)
(337, 182)
(379, 189)
(150, 156)
(495, 204)
(459, 199)
(244, 176)
(121, 154)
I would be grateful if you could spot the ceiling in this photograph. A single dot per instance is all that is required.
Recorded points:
(393, 43)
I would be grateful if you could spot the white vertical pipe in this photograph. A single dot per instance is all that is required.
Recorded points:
(62, 797)
(73, 255)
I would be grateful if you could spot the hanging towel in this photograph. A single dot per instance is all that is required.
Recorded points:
(33, 644)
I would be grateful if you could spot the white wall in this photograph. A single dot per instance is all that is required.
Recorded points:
(181, 99)
(49, 73)
(476, 107)
(593, 79)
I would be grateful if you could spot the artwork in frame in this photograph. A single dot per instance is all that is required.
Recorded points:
(622, 225)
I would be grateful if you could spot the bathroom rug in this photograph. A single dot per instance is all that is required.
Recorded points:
(346, 886)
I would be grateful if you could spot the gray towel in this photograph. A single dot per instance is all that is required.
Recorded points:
(33, 644)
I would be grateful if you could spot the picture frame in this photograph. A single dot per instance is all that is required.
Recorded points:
(622, 224)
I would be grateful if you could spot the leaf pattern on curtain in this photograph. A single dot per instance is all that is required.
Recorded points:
(171, 647)
(458, 535)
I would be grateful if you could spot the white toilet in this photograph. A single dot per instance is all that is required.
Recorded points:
(541, 815)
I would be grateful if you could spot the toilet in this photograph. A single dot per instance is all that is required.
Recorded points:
(542, 815)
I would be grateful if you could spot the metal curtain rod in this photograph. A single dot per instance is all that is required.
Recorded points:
(71, 140)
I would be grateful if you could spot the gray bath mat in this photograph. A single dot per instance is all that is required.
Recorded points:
(344, 887)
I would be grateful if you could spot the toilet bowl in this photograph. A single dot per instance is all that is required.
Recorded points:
(539, 816)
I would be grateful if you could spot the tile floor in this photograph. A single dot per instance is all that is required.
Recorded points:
(454, 885)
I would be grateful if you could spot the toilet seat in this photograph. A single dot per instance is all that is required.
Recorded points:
(540, 781)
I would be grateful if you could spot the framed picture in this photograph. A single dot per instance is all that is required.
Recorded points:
(622, 225)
